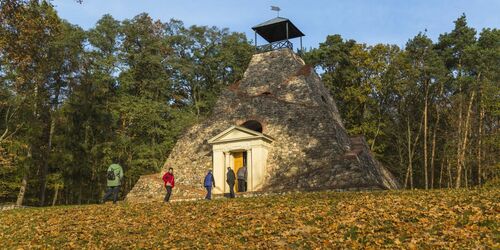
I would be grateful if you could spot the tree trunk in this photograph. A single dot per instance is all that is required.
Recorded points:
(450, 180)
(433, 150)
(426, 104)
(459, 132)
(408, 146)
(411, 152)
(92, 182)
(461, 158)
(377, 132)
(479, 145)
(80, 191)
(56, 192)
(375, 137)
(22, 190)
(466, 176)
(401, 156)
(45, 166)
(24, 182)
(6, 131)
(441, 172)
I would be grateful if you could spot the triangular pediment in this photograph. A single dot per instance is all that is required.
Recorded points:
(237, 133)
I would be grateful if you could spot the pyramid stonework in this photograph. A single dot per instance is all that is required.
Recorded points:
(311, 148)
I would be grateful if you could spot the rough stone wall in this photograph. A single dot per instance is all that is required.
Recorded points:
(288, 99)
(354, 170)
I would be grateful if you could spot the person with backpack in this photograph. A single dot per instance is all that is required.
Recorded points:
(242, 179)
(169, 182)
(209, 182)
(230, 179)
(114, 178)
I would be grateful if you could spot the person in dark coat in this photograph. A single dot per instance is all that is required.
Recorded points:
(230, 179)
(169, 182)
(209, 182)
(242, 179)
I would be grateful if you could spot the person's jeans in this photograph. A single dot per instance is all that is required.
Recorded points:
(169, 192)
(111, 191)
(231, 190)
(209, 193)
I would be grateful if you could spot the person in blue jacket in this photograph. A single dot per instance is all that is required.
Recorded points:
(209, 182)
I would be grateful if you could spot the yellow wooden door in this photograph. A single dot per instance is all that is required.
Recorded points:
(238, 163)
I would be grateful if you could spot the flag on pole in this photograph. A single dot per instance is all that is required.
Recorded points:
(275, 8)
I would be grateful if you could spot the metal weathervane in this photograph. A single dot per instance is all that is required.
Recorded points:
(277, 9)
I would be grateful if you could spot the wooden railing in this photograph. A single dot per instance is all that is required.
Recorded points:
(275, 46)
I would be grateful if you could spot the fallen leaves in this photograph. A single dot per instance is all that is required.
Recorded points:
(376, 220)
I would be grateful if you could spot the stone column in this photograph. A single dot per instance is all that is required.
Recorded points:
(250, 170)
(218, 170)
(227, 161)
(258, 161)
(231, 160)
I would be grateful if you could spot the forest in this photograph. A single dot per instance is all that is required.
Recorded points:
(72, 101)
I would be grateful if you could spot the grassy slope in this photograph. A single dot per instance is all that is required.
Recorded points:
(446, 218)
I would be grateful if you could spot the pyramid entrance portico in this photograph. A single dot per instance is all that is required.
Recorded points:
(235, 147)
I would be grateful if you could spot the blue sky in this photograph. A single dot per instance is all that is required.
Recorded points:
(367, 21)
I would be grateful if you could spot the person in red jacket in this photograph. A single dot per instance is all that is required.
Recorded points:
(168, 179)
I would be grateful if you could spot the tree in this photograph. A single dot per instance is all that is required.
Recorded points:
(204, 61)
(427, 73)
(29, 69)
(453, 48)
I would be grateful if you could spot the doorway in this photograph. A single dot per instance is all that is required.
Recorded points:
(240, 160)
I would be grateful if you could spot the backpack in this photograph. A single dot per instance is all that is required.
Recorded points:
(111, 175)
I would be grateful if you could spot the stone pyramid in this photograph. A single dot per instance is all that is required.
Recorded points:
(289, 103)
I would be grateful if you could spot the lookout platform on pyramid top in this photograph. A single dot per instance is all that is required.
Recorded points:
(277, 32)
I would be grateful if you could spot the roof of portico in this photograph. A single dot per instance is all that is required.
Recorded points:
(237, 133)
